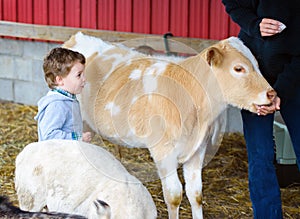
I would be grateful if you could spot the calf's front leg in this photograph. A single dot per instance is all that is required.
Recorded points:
(171, 185)
(192, 170)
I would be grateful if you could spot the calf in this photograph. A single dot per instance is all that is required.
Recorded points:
(172, 107)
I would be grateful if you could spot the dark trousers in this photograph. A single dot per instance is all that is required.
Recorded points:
(258, 132)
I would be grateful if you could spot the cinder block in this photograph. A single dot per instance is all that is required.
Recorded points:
(37, 72)
(11, 47)
(53, 45)
(7, 67)
(23, 69)
(35, 50)
(6, 90)
(29, 92)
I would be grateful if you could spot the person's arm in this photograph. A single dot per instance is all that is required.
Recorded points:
(243, 12)
(53, 121)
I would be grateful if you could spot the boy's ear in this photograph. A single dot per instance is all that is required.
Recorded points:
(59, 80)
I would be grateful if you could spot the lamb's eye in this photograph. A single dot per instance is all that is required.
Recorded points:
(239, 69)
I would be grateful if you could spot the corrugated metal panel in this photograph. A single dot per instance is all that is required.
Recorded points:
(89, 14)
(9, 10)
(179, 18)
(199, 19)
(124, 15)
(186, 18)
(160, 14)
(56, 12)
(25, 11)
(141, 16)
(219, 21)
(106, 14)
(40, 15)
(1, 14)
(72, 14)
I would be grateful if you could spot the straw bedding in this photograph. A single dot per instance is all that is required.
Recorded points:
(225, 186)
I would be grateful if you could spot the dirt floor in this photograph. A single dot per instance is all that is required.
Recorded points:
(225, 185)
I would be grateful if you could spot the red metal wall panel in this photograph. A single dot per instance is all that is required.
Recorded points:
(1, 14)
(106, 15)
(141, 16)
(89, 14)
(9, 9)
(25, 11)
(199, 19)
(185, 18)
(56, 12)
(124, 15)
(179, 18)
(72, 14)
(40, 8)
(160, 14)
(219, 21)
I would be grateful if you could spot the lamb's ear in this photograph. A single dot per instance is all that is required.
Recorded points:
(102, 209)
(213, 56)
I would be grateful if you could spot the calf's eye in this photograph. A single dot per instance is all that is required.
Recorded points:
(239, 69)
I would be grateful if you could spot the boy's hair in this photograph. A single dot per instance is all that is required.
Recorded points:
(59, 62)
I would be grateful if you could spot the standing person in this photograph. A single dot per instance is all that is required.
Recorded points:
(271, 30)
(59, 115)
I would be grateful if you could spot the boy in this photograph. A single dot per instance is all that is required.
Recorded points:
(59, 115)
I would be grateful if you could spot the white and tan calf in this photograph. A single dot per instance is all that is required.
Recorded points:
(172, 107)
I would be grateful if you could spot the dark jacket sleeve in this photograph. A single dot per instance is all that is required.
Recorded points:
(243, 12)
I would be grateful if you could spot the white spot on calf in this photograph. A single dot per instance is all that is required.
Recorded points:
(134, 99)
(114, 109)
(150, 83)
(84, 42)
(160, 67)
(135, 74)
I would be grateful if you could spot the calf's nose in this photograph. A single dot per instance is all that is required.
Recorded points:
(271, 94)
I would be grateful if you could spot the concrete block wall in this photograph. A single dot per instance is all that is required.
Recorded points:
(22, 78)
(21, 73)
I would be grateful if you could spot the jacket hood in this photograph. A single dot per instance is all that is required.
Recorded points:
(50, 98)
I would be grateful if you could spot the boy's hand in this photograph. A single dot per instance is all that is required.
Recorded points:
(87, 137)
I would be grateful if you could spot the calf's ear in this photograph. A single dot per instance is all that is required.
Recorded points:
(213, 56)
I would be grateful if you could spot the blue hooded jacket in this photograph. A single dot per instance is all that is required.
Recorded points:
(58, 117)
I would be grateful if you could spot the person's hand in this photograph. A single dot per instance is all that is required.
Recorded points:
(87, 137)
(270, 27)
(263, 110)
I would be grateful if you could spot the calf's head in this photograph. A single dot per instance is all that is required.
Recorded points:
(238, 75)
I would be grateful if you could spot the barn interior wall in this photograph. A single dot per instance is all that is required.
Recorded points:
(22, 79)
(21, 74)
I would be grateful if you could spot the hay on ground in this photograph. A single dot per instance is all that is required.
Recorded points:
(225, 185)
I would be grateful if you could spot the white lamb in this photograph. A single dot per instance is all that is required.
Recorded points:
(68, 176)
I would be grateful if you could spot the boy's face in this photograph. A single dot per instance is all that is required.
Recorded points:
(74, 81)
